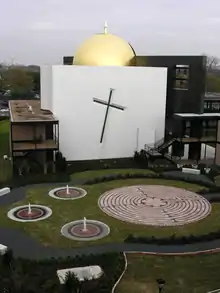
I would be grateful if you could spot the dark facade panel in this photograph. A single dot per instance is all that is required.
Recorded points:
(68, 60)
(181, 100)
(185, 100)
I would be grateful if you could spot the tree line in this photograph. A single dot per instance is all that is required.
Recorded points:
(213, 74)
(19, 82)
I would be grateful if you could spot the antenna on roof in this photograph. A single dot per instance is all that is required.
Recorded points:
(30, 109)
(105, 28)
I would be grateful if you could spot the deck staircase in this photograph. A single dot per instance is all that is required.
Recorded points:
(165, 144)
(157, 150)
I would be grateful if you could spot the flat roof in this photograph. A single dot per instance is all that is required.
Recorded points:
(192, 115)
(212, 96)
(29, 111)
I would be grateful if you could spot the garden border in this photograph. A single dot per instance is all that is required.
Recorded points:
(185, 178)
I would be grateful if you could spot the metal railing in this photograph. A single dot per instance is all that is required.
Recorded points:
(166, 144)
(159, 142)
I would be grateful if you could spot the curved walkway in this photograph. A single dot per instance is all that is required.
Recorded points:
(25, 246)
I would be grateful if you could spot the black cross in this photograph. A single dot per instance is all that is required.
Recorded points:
(108, 104)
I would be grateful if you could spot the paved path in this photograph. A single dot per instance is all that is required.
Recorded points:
(25, 246)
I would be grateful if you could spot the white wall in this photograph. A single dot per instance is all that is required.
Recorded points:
(46, 87)
(207, 151)
(142, 90)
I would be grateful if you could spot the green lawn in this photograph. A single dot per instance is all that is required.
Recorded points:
(48, 231)
(186, 274)
(217, 180)
(99, 173)
(5, 166)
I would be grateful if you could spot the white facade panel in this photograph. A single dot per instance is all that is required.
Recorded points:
(46, 87)
(141, 90)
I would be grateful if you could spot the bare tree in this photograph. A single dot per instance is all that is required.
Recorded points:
(212, 62)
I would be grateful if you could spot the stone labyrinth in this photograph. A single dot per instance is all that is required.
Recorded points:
(154, 205)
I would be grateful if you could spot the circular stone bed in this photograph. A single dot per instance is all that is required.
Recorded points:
(67, 193)
(22, 213)
(154, 205)
(94, 230)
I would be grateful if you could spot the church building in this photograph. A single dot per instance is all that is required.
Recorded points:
(107, 106)
(106, 102)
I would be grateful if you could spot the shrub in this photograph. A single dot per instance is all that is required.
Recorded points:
(61, 164)
(35, 179)
(141, 158)
(168, 176)
(173, 239)
(188, 178)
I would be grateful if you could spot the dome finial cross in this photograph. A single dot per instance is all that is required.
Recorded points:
(105, 28)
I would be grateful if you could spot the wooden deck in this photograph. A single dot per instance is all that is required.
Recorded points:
(201, 139)
(27, 146)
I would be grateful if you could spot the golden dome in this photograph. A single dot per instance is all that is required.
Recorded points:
(104, 50)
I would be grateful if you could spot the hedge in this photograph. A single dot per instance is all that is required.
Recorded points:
(186, 178)
(35, 179)
(173, 239)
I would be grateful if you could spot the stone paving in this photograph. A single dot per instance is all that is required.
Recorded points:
(67, 192)
(93, 230)
(154, 205)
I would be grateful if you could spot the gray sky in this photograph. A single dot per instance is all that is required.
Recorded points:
(42, 31)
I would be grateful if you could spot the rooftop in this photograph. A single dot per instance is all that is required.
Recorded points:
(212, 96)
(29, 111)
(194, 115)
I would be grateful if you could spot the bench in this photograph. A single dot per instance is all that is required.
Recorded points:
(3, 249)
(4, 191)
(191, 171)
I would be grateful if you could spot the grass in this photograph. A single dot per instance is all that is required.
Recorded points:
(217, 180)
(48, 231)
(99, 173)
(186, 274)
(5, 166)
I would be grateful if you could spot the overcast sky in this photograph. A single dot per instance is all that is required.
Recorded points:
(42, 31)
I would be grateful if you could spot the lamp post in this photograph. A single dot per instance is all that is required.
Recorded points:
(160, 283)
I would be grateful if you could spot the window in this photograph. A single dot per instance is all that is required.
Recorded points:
(212, 123)
(182, 71)
(215, 106)
(181, 84)
(181, 77)
(188, 124)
